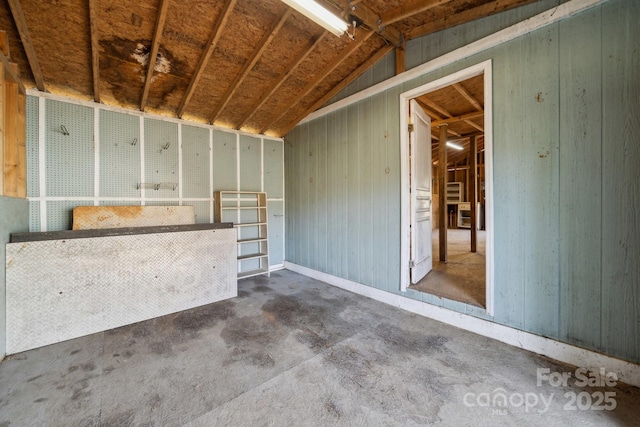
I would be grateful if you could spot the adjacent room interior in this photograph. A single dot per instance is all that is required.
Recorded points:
(332, 212)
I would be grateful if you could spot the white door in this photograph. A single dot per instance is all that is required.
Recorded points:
(420, 140)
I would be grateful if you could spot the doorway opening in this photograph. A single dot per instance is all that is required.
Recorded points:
(447, 198)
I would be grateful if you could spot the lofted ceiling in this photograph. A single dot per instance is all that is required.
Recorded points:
(254, 65)
(461, 107)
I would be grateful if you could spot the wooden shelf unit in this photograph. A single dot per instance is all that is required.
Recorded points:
(248, 212)
(455, 192)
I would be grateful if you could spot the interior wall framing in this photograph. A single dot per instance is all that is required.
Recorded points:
(566, 173)
(83, 153)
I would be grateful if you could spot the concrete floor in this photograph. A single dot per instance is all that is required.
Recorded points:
(291, 351)
(463, 277)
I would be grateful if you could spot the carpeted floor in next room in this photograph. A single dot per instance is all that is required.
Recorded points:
(294, 351)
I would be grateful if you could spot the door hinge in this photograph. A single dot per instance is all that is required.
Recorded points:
(412, 263)
(410, 127)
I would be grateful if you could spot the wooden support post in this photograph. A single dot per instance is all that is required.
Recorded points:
(473, 191)
(442, 189)
(11, 149)
(401, 66)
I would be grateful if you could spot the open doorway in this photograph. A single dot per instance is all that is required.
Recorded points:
(456, 205)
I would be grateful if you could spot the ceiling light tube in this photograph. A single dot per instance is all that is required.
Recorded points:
(319, 15)
(454, 145)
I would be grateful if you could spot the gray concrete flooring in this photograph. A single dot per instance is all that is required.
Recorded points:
(463, 277)
(294, 351)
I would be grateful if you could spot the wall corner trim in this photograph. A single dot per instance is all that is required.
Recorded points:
(555, 14)
(627, 372)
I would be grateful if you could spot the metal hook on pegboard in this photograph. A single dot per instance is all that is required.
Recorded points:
(64, 130)
(135, 142)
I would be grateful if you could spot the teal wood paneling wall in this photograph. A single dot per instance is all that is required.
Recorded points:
(566, 182)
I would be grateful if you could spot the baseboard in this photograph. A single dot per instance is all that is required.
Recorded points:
(627, 372)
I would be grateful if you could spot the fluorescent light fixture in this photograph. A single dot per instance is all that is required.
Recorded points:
(455, 146)
(319, 15)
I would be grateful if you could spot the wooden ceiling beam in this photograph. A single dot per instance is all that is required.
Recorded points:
(303, 55)
(475, 125)
(262, 45)
(408, 9)
(155, 45)
(4, 44)
(457, 119)
(373, 21)
(225, 13)
(468, 15)
(95, 53)
(346, 81)
(465, 93)
(321, 76)
(32, 58)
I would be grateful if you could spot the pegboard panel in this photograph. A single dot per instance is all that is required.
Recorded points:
(195, 162)
(60, 214)
(119, 203)
(162, 202)
(276, 232)
(225, 161)
(34, 217)
(70, 156)
(273, 169)
(202, 211)
(119, 154)
(33, 168)
(161, 157)
(250, 163)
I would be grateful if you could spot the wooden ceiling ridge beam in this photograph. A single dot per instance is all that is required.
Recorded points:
(225, 13)
(153, 54)
(373, 21)
(95, 53)
(32, 58)
(409, 9)
(310, 47)
(346, 81)
(457, 119)
(321, 76)
(262, 45)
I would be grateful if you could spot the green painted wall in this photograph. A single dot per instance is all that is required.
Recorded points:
(566, 182)
(14, 218)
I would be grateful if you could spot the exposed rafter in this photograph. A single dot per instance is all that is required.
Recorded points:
(449, 21)
(251, 62)
(344, 83)
(204, 59)
(408, 9)
(32, 58)
(321, 76)
(155, 45)
(456, 119)
(95, 53)
(373, 21)
(305, 53)
(465, 93)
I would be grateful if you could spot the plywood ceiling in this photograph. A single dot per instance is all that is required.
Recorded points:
(461, 107)
(254, 65)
